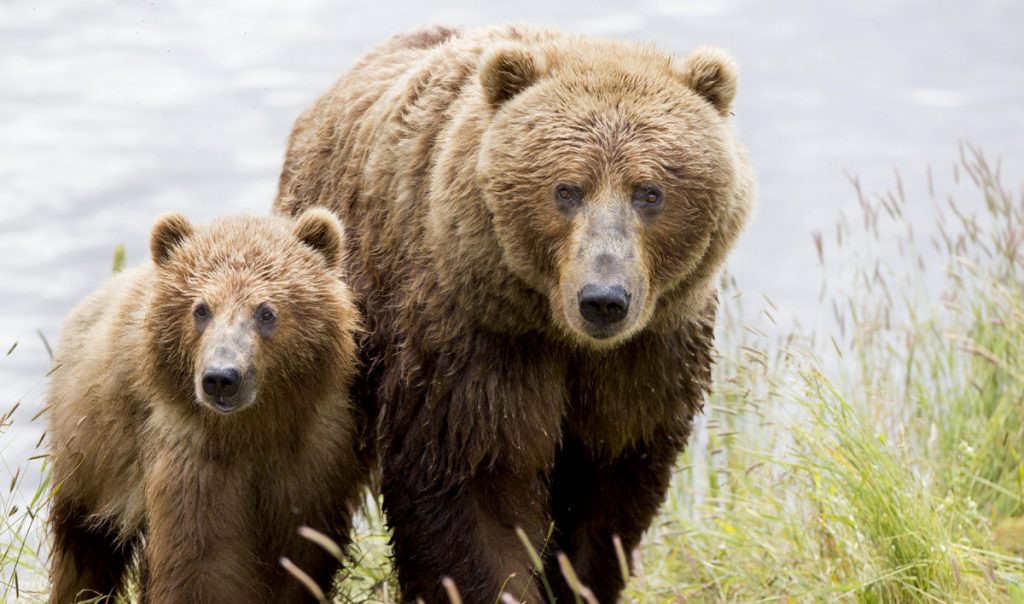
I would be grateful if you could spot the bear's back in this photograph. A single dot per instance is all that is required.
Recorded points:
(92, 397)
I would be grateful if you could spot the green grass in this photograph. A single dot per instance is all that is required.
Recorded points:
(878, 459)
(881, 462)
(22, 516)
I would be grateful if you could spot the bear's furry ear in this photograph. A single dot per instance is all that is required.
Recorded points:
(508, 70)
(712, 74)
(322, 231)
(169, 231)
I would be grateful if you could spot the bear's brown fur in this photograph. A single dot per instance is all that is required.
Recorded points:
(213, 477)
(538, 221)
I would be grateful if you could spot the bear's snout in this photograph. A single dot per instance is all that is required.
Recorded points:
(221, 382)
(222, 385)
(225, 375)
(603, 305)
(225, 384)
(602, 287)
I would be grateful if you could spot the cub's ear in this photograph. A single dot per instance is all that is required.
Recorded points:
(322, 231)
(711, 73)
(169, 231)
(508, 70)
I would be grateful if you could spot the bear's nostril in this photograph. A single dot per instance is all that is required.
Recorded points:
(210, 384)
(221, 382)
(603, 304)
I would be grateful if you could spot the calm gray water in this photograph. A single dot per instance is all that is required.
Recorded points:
(113, 112)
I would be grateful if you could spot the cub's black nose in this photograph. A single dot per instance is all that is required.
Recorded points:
(603, 304)
(221, 382)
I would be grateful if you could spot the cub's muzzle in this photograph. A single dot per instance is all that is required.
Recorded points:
(225, 378)
(222, 385)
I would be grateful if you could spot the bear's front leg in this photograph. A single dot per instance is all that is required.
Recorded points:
(87, 561)
(594, 500)
(464, 531)
(633, 413)
(201, 539)
(325, 512)
(466, 450)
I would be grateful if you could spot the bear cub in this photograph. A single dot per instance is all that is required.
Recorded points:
(198, 415)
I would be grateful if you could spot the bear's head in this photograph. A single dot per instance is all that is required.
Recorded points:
(613, 179)
(249, 309)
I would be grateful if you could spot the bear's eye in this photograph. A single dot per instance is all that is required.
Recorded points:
(647, 196)
(201, 312)
(568, 196)
(266, 318)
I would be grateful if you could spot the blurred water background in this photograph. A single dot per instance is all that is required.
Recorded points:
(112, 112)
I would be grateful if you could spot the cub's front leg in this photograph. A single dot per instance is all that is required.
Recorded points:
(87, 561)
(201, 540)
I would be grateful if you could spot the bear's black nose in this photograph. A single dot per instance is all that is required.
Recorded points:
(220, 382)
(603, 304)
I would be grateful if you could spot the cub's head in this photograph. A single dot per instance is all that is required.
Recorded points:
(248, 309)
(613, 178)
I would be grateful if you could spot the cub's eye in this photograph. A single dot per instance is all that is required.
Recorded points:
(647, 196)
(568, 196)
(201, 312)
(266, 318)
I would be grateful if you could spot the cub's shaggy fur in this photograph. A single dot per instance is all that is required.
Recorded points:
(214, 478)
(538, 221)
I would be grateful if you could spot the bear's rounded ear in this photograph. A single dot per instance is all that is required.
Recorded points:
(169, 231)
(712, 74)
(322, 231)
(508, 70)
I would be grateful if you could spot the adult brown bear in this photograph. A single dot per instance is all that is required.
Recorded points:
(537, 222)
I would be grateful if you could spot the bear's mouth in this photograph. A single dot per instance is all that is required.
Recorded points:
(603, 332)
(224, 406)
